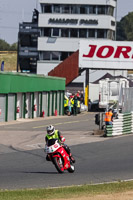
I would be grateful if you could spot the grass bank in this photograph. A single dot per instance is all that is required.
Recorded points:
(80, 192)
(10, 60)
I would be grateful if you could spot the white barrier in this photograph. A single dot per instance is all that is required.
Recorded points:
(122, 125)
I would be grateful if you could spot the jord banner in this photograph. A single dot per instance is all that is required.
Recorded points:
(105, 54)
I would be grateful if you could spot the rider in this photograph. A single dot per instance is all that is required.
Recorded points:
(55, 134)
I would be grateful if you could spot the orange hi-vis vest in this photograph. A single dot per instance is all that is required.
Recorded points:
(108, 116)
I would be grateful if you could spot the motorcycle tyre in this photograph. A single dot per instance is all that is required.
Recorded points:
(71, 169)
(57, 166)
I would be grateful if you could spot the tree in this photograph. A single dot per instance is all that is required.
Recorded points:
(120, 33)
(125, 28)
(4, 46)
(13, 47)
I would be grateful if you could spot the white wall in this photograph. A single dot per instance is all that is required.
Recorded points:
(104, 21)
(45, 67)
(93, 91)
(60, 44)
(85, 2)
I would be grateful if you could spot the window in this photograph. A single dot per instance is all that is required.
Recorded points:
(112, 23)
(48, 9)
(55, 55)
(64, 32)
(83, 10)
(47, 32)
(83, 33)
(75, 10)
(92, 33)
(65, 9)
(64, 55)
(92, 9)
(111, 34)
(56, 9)
(101, 10)
(46, 55)
(100, 33)
(111, 11)
(42, 8)
(70, 53)
(55, 32)
(73, 33)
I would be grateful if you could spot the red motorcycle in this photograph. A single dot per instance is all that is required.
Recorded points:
(58, 155)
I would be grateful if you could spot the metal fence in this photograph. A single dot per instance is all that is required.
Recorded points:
(126, 99)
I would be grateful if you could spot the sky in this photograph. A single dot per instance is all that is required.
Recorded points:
(13, 12)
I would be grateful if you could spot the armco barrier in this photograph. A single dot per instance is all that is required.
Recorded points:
(122, 125)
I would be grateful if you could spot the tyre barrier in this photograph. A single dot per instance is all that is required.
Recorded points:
(121, 126)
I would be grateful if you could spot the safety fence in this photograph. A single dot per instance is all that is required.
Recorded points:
(126, 99)
(122, 125)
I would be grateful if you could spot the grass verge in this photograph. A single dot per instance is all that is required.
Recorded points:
(66, 192)
(10, 61)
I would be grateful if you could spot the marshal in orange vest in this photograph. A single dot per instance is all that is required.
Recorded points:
(108, 117)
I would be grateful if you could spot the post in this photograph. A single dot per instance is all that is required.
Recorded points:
(101, 121)
(87, 87)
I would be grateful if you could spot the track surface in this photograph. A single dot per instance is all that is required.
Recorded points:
(102, 160)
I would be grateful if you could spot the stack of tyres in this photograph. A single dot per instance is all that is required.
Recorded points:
(122, 125)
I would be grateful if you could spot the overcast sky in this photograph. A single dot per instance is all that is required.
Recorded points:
(12, 12)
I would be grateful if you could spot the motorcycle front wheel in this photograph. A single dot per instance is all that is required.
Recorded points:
(71, 169)
(58, 164)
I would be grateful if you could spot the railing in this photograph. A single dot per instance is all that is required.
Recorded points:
(126, 99)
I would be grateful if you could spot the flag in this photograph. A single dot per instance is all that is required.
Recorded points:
(2, 66)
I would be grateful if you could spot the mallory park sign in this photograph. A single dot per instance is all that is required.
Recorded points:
(106, 54)
(73, 21)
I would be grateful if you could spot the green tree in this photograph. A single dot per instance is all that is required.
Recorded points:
(4, 46)
(125, 28)
(13, 47)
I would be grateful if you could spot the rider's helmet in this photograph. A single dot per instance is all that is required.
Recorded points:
(50, 130)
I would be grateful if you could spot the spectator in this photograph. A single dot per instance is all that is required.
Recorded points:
(89, 105)
(65, 104)
(82, 97)
(75, 105)
(69, 106)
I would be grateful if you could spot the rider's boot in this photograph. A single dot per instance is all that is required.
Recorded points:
(47, 158)
(72, 158)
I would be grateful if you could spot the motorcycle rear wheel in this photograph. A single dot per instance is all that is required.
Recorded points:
(58, 164)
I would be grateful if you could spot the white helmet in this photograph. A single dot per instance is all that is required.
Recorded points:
(50, 130)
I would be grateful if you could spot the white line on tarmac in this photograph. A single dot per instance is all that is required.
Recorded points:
(62, 123)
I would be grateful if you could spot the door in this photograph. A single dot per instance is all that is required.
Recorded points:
(2, 107)
(45, 103)
(11, 107)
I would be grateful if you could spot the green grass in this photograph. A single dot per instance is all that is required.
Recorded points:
(66, 192)
(10, 61)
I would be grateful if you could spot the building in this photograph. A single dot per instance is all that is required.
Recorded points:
(64, 23)
(30, 96)
(27, 45)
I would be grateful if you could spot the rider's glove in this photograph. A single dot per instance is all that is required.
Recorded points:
(62, 139)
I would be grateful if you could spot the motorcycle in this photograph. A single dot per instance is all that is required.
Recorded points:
(59, 157)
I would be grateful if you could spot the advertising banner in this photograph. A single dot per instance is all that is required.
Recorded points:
(106, 54)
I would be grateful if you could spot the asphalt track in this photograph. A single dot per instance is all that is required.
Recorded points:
(102, 160)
